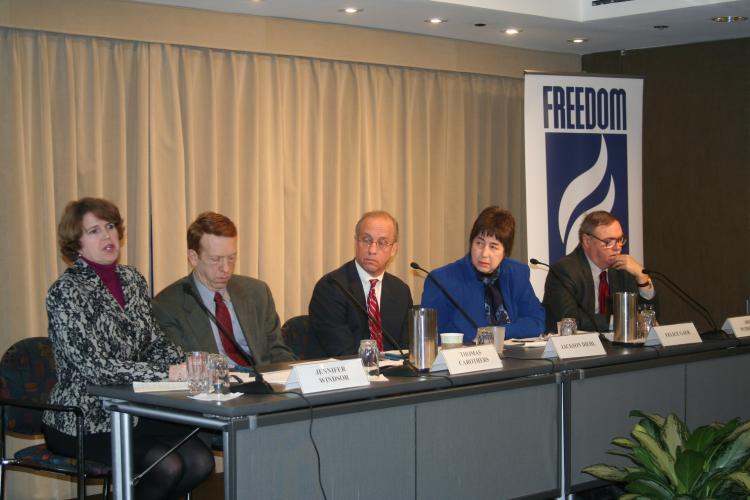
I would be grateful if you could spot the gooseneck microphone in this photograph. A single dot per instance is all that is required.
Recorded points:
(453, 301)
(567, 288)
(687, 298)
(259, 386)
(393, 370)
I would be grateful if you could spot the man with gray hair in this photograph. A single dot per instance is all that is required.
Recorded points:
(592, 274)
(335, 320)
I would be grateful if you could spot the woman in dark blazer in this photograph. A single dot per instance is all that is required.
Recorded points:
(103, 332)
(491, 288)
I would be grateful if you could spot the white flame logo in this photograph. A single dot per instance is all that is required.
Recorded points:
(577, 190)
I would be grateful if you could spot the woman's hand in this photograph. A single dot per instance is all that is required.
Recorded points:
(178, 373)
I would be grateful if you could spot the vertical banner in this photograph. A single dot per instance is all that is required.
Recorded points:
(583, 138)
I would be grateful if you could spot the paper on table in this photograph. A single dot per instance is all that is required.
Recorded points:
(161, 386)
(529, 342)
(390, 362)
(277, 377)
(216, 397)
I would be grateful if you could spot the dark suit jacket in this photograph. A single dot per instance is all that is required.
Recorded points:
(574, 269)
(188, 326)
(339, 325)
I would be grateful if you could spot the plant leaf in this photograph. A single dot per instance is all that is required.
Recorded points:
(624, 442)
(732, 454)
(742, 478)
(739, 430)
(642, 457)
(688, 468)
(701, 439)
(653, 417)
(605, 472)
(671, 433)
(647, 475)
(619, 453)
(662, 458)
(650, 489)
(649, 428)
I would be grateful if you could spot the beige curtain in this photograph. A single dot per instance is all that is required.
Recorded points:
(73, 123)
(292, 149)
(295, 149)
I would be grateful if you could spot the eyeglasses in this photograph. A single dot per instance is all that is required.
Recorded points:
(382, 243)
(611, 242)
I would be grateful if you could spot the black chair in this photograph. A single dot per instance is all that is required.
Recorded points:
(300, 339)
(27, 375)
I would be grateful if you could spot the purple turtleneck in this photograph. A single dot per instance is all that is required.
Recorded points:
(108, 274)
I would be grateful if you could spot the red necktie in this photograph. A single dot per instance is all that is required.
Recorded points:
(376, 331)
(222, 316)
(603, 293)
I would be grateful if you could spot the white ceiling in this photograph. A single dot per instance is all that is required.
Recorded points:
(545, 24)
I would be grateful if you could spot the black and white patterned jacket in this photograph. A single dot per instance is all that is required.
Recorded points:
(96, 342)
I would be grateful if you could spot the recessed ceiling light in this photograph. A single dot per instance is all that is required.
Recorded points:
(729, 19)
(480, 25)
(578, 40)
(351, 10)
(512, 31)
(435, 20)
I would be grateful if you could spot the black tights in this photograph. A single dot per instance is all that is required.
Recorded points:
(176, 475)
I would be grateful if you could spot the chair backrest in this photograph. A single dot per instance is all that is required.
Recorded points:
(27, 371)
(300, 339)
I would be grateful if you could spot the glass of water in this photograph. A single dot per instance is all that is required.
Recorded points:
(646, 319)
(218, 373)
(568, 326)
(370, 356)
(196, 372)
(485, 335)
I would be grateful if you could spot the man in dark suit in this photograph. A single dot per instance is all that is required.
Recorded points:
(594, 272)
(338, 324)
(244, 306)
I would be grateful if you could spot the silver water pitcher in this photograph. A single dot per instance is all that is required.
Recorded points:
(625, 314)
(422, 337)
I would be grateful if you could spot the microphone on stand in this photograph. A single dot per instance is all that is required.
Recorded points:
(392, 370)
(557, 276)
(259, 386)
(453, 301)
(687, 298)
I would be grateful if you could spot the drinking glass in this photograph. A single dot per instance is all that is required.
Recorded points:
(218, 373)
(568, 326)
(370, 355)
(646, 319)
(485, 335)
(196, 372)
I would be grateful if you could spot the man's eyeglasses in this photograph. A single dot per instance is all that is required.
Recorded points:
(382, 243)
(611, 242)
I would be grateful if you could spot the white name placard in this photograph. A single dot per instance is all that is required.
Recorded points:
(574, 346)
(467, 359)
(739, 326)
(328, 376)
(669, 335)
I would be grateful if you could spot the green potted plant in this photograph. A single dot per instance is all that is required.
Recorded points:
(670, 462)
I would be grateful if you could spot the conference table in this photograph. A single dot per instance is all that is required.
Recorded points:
(522, 431)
